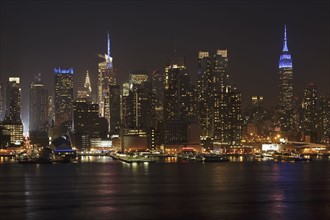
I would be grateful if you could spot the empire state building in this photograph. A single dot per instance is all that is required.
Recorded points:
(285, 105)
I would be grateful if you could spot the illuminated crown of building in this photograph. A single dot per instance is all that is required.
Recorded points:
(108, 58)
(285, 57)
(87, 84)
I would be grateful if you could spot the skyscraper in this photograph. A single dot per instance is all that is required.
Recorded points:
(13, 99)
(63, 97)
(12, 120)
(38, 107)
(86, 122)
(107, 77)
(213, 77)
(285, 104)
(227, 116)
(114, 109)
(177, 90)
(158, 90)
(138, 105)
(324, 118)
(205, 95)
(310, 113)
(220, 70)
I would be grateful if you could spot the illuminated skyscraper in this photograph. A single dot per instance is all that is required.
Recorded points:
(205, 95)
(63, 97)
(310, 113)
(107, 77)
(114, 109)
(212, 78)
(12, 121)
(285, 105)
(86, 91)
(137, 102)
(220, 70)
(158, 90)
(324, 118)
(86, 122)
(13, 99)
(177, 90)
(227, 116)
(87, 84)
(38, 107)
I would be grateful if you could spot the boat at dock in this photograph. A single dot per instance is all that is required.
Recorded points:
(211, 158)
(214, 158)
(132, 158)
(289, 156)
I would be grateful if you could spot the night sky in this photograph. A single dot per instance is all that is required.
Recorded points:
(38, 36)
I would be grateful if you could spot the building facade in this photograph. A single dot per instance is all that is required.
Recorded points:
(310, 113)
(85, 122)
(38, 107)
(13, 99)
(106, 78)
(228, 117)
(285, 105)
(63, 97)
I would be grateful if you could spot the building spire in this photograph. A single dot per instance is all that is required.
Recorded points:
(285, 57)
(285, 44)
(87, 84)
(108, 37)
(108, 57)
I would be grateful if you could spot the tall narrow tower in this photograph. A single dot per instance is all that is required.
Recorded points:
(106, 78)
(285, 105)
(87, 84)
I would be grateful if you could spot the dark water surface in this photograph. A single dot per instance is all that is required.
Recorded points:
(99, 188)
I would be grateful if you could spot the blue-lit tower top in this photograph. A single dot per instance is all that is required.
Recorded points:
(285, 57)
(59, 70)
(108, 57)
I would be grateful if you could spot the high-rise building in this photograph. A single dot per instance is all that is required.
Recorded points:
(38, 107)
(227, 116)
(63, 97)
(310, 113)
(114, 109)
(324, 119)
(158, 90)
(142, 98)
(12, 121)
(15, 129)
(220, 70)
(106, 78)
(13, 99)
(2, 102)
(205, 95)
(213, 77)
(51, 111)
(177, 90)
(85, 122)
(285, 105)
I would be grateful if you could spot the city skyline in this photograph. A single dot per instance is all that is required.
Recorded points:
(34, 45)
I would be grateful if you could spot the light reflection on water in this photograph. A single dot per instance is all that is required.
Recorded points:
(7, 160)
(94, 189)
(100, 159)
